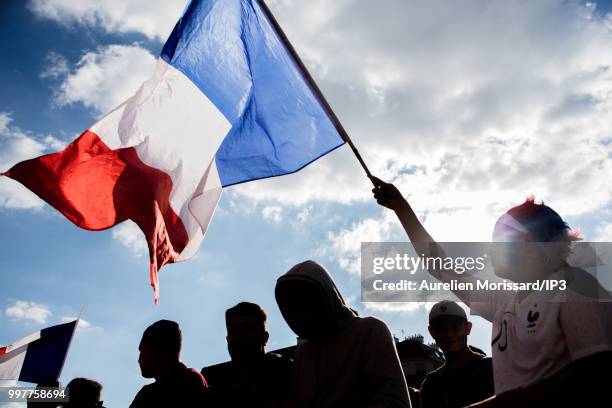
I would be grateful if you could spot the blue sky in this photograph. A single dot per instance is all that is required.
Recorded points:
(467, 109)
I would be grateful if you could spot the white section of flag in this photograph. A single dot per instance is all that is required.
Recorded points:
(175, 128)
(12, 361)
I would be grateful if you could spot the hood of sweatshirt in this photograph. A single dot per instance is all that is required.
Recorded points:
(309, 287)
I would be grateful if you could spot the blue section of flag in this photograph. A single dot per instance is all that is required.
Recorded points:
(45, 357)
(231, 52)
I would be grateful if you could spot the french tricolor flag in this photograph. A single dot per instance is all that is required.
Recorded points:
(39, 357)
(229, 102)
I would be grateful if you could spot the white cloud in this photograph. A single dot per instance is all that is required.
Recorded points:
(154, 19)
(11, 383)
(453, 218)
(492, 105)
(463, 125)
(54, 144)
(398, 307)
(346, 243)
(5, 119)
(56, 65)
(495, 101)
(17, 145)
(105, 78)
(131, 237)
(604, 232)
(24, 310)
(15, 196)
(83, 325)
(406, 307)
(335, 177)
(16, 405)
(273, 213)
(304, 214)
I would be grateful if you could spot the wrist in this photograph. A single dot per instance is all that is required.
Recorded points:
(401, 206)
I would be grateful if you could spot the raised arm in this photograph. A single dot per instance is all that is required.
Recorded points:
(389, 196)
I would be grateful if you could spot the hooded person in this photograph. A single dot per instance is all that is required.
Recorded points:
(342, 360)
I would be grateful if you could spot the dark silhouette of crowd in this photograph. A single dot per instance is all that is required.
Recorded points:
(344, 360)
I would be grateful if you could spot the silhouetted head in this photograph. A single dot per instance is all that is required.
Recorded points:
(449, 327)
(160, 347)
(84, 393)
(310, 302)
(530, 237)
(246, 331)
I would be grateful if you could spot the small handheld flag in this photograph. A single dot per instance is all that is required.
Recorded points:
(39, 357)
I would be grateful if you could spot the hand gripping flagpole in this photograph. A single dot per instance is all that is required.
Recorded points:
(313, 86)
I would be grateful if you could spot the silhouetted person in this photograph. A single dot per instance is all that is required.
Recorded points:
(252, 378)
(175, 385)
(467, 376)
(84, 393)
(342, 360)
(548, 349)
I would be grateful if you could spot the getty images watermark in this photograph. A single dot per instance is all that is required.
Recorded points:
(485, 271)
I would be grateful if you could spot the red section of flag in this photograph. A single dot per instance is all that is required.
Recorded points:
(2, 350)
(96, 187)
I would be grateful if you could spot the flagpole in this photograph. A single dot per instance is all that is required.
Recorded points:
(70, 343)
(313, 86)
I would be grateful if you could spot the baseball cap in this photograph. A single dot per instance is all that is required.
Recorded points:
(446, 308)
